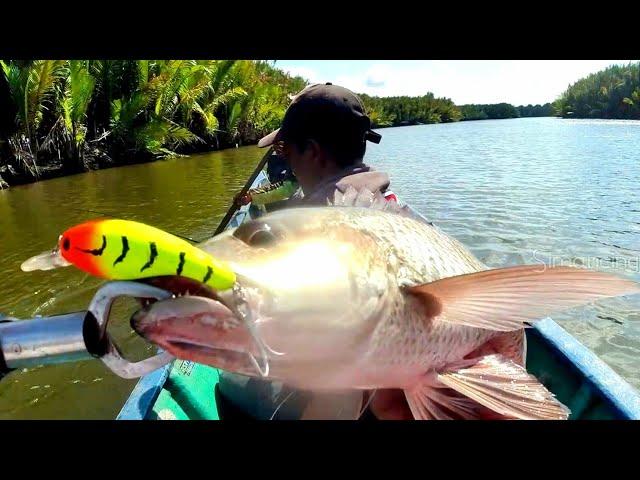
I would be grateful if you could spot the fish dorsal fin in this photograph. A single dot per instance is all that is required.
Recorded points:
(365, 198)
(511, 298)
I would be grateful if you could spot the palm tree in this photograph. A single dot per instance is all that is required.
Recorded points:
(69, 133)
(69, 112)
(31, 88)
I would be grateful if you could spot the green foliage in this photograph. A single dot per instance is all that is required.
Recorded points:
(545, 110)
(492, 111)
(611, 93)
(76, 114)
(395, 111)
(79, 114)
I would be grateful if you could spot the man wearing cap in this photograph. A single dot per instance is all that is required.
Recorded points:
(323, 138)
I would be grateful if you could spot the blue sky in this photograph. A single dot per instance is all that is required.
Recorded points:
(518, 82)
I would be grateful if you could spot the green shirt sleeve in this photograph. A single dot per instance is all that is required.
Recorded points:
(264, 196)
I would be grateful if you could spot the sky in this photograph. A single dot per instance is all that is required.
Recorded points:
(519, 82)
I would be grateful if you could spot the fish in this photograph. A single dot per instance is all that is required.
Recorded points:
(354, 297)
(117, 249)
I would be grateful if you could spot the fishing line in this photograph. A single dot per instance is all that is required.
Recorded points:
(367, 403)
(261, 347)
(282, 403)
(242, 299)
(245, 313)
(269, 349)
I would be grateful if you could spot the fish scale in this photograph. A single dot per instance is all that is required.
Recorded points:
(421, 250)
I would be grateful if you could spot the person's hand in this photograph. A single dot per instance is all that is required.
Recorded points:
(241, 200)
(390, 404)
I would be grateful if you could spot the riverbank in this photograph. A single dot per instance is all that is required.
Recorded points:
(9, 177)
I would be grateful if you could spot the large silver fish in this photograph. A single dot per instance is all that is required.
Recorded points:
(342, 298)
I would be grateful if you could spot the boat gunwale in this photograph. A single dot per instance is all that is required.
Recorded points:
(601, 377)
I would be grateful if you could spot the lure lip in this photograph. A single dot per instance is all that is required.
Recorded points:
(48, 260)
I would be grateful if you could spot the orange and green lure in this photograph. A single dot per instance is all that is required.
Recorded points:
(126, 250)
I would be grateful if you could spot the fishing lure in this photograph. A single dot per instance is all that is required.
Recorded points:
(126, 250)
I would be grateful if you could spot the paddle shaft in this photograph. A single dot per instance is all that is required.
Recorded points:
(234, 206)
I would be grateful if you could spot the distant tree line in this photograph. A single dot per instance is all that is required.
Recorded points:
(610, 93)
(546, 110)
(398, 111)
(505, 110)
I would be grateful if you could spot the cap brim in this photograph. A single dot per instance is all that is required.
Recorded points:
(269, 139)
(372, 136)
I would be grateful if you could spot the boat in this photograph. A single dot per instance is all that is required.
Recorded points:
(185, 390)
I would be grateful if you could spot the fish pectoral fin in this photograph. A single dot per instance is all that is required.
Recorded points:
(511, 298)
(511, 345)
(505, 388)
(430, 399)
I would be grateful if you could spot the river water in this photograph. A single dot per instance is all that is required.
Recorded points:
(514, 191)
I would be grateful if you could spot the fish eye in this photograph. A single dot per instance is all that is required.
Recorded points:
(262, 238)
(66, 243)
(256, 234)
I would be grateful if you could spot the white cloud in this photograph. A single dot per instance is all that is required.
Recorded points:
(479, 81)
(305, 72)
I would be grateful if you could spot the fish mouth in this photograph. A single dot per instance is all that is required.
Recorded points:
(196, 324)
(179, 286)
(182, 287)
(208, 308)
(226, 359)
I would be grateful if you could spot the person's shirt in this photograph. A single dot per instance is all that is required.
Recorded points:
(358, 176)
(274, 192)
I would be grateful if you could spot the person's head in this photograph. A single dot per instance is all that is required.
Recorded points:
(324, 130)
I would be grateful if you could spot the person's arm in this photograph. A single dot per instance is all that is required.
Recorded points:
(269, 194)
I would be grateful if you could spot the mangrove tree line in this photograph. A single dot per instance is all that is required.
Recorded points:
(610, 93)
(65, 116)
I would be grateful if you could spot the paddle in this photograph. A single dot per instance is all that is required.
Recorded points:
(234, 206)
